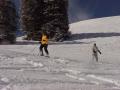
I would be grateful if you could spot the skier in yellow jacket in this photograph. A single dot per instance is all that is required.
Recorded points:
(44, 44)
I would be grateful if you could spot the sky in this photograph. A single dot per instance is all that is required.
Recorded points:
(87, 9)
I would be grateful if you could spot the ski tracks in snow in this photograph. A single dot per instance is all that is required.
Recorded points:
(93, 79)
(70, 73)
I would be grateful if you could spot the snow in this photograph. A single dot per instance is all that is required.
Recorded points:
(70, 66)
(108, 24)
(5, 80)
(117, 83)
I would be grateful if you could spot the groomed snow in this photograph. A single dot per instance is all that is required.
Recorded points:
(70, 66)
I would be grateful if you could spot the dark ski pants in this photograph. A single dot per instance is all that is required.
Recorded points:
(95, 56)
(45, 46)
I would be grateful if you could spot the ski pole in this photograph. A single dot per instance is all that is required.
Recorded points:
(33, 50)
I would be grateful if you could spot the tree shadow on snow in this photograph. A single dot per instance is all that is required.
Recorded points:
(93, 35)
(51, 43)
(26, 43)
(68, 43)
(73, 38)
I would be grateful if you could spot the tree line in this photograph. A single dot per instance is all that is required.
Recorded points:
(36, 16)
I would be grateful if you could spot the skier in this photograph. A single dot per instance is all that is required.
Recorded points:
(44, 44)
(95, 51)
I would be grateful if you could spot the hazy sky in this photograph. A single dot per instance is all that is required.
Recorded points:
(87, 9)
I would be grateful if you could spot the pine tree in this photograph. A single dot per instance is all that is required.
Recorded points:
(45, 15)
(8, 21)
(26, 18)
(56, 18)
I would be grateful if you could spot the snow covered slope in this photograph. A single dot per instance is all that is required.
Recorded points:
(71, 66)
(107, 24)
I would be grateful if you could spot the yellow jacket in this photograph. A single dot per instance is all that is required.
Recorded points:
(44, 39)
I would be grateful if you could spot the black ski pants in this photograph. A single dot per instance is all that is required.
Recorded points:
(45, 46)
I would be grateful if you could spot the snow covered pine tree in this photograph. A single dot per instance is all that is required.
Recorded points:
(45, 15)
(8, 21)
